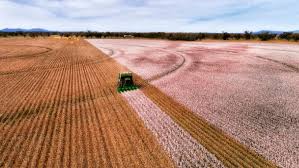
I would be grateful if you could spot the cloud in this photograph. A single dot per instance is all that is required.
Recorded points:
(150, 15)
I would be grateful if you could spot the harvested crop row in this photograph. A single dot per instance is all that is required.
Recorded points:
(182, 148)
(65, 112)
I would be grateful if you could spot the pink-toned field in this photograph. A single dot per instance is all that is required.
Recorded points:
(249, 90)
(184, 150)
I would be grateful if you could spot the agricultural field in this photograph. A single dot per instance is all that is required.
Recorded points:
(59, 108)
(199, 104)
(247, 90)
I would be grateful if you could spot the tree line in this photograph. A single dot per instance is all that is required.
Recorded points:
(265, 36)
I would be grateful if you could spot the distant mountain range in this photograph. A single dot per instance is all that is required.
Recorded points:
(24, 30)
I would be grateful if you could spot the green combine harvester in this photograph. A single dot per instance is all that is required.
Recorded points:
(125, 82)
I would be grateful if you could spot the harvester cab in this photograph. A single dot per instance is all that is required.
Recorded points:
(125, 82)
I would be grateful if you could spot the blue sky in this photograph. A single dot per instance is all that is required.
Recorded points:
(151, 15)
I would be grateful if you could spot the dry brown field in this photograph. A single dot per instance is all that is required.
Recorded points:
(59, 108)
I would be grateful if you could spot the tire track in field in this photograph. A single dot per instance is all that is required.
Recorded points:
(217, 51)
(38, 65)
(271, 49)
(27, 55)
(162, 74)
(30, 67)
(12, 90)
(292, 67)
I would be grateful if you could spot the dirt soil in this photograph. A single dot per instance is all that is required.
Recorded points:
(59, 108)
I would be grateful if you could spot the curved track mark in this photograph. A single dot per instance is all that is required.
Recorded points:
(294, 68)
(157, 76)
(28, 55)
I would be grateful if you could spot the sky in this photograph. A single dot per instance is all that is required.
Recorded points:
(151, 15)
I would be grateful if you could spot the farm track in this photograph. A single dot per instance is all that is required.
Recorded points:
(70, 115)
